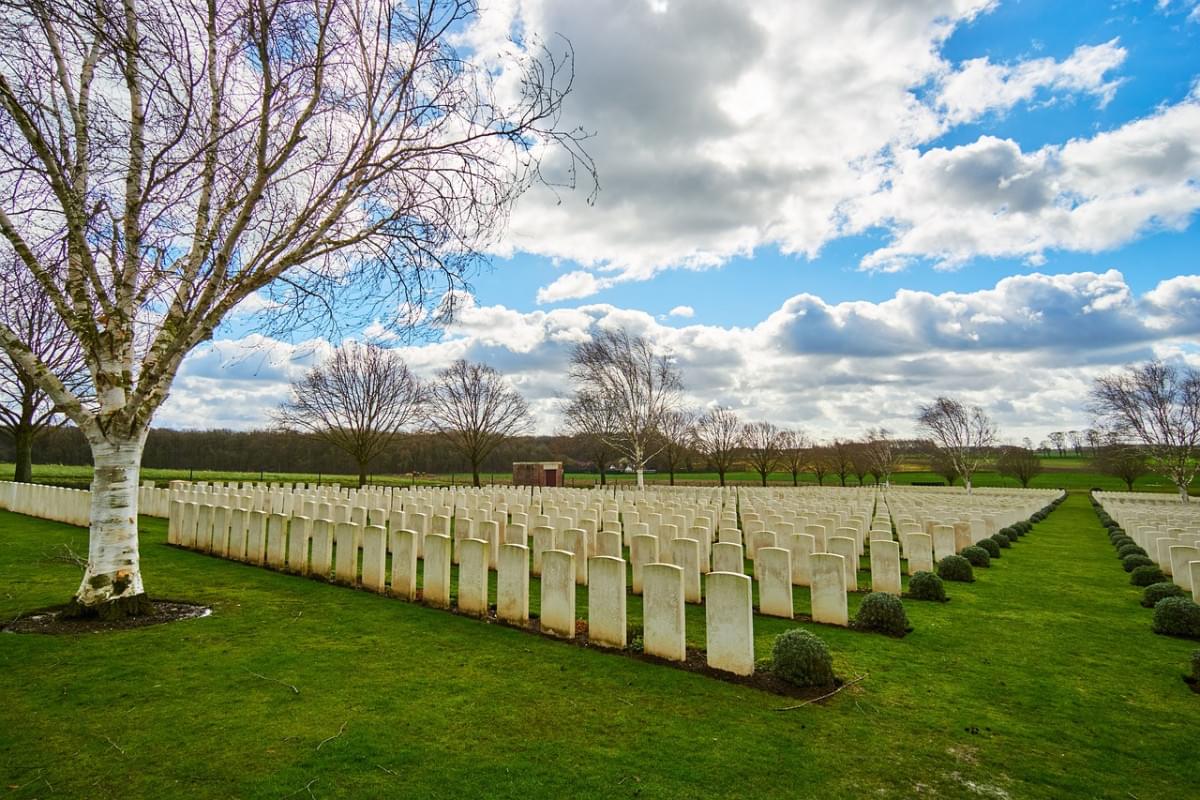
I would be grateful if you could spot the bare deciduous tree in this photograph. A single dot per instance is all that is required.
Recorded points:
(718, 437)
(793, 454)
(677, 430)
(941, 464)
(883, 453)
(764, 444)
(840, 463)
(820, 460)
(592, 419)
(1124, 461)
(25, 408)
(1158, 406)
(358, 401)
(1019, 463)
(640, 382)
(963, 434)
(163, 163)
(861, 463)
(475, 409)
(1059, 440)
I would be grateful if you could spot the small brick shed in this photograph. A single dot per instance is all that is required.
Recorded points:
(537, 473)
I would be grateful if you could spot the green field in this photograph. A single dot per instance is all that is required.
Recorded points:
(1040, 680)
(1060, 473)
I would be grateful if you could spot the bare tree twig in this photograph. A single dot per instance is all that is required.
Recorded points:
(845, 685)
(305, 788)
(275, 680)
(341, 730)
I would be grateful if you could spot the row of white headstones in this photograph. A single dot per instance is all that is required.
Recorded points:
(570, 538)
(1168, 530)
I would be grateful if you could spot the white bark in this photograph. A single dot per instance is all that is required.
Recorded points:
(113, 568)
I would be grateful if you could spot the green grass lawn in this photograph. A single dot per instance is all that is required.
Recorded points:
(1040, 680)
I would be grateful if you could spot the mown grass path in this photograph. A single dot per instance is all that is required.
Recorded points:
(1040, 680)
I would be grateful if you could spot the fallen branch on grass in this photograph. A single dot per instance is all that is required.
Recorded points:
(341, 730)
(274, 680)
(845, 685)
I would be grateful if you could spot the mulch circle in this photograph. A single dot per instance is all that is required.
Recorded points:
(49, 620)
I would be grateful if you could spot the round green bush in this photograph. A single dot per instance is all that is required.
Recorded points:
(1011, 532)
(1146, 575)
(1160, 591)
(1130, 550)
(926, 586)
(1177, 616)
(802, 659)
(1115, 537)
(1001, 539)
(1121, 541)
(1132, 562)
(882, 612)
(1024, 526)
(990, 545)
(955, 568)
(977, 556)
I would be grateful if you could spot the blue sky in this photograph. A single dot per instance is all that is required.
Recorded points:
(974, 182)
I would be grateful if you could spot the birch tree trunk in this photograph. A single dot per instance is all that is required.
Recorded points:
(112, 582)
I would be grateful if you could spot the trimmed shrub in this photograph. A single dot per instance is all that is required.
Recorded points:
(1130, 563)
(926, 586)
(977, 556)
(1130, 550)
(1177, 616)
(1121, 541)
(1001, 539)
(1160, 591)
(955, 568)
(1011, 532)
(1145, 576)
(1024, 526)
(882, 612)
(990, 545)
(802, 659)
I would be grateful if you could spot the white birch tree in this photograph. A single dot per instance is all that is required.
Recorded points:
(162, 163)
(1156, 405)
(639, 383)
(963, 434)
